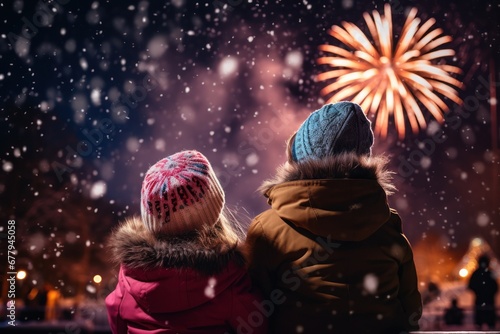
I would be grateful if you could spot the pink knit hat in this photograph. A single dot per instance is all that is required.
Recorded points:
(181, 193)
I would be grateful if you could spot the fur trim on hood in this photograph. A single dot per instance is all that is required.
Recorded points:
(133, 246)
(343, 166)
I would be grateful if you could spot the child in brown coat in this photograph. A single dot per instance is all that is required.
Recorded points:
(330, 254)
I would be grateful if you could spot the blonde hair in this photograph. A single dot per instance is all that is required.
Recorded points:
(289, 148)
(226, 234)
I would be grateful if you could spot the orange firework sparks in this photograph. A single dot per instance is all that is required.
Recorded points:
(389, 78)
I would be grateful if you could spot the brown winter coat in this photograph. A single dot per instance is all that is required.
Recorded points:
(330, 254)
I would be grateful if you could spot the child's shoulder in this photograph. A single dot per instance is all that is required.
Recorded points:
(266, 218)
(265, 222)
(395, 221)
(394, 230)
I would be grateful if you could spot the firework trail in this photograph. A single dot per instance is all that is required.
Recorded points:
(391, 78)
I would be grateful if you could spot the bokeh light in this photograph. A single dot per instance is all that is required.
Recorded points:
(21, 274)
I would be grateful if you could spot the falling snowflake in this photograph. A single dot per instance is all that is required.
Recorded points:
(370, 283)
(210, 289)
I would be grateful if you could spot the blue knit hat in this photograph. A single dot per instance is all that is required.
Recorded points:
(333, 129)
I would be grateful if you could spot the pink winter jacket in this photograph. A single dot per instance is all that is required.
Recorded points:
(176, 298)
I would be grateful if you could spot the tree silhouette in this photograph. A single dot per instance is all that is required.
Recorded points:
(60, 230)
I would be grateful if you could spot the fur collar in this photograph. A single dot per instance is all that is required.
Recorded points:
(133, 246)
(343, 166)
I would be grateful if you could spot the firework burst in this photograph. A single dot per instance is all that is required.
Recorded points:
(389, 78)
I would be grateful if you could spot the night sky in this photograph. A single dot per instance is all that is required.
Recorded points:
(93, 93)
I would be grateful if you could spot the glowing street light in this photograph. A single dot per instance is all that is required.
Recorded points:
(463, 272)
(97, 279)
(476, 242)
(21, 274)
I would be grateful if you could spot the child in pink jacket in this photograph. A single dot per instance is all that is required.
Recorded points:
(180, 269)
